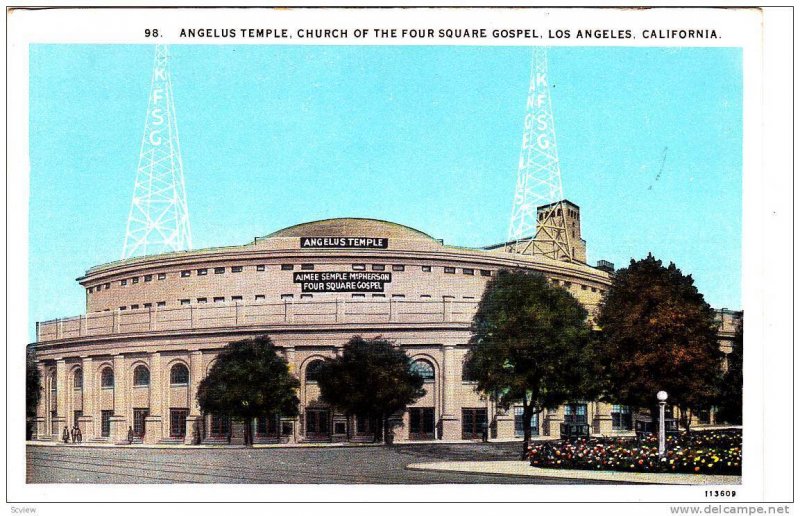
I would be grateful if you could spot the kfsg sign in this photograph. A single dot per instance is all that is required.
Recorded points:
(342, 281)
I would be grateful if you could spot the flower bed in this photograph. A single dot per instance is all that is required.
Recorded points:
(717, 452)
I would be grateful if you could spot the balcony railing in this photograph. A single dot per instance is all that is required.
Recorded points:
(236, 315)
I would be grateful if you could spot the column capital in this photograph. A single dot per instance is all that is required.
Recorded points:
(196, 352)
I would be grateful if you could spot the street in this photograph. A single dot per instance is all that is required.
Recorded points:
(312, 465)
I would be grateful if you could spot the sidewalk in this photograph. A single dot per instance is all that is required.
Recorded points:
(523, 469)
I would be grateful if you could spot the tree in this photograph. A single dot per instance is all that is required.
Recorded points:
(371, 378)
(659, 334)
(249, 380)
(33, 386)
(730, 399)
(530, 343)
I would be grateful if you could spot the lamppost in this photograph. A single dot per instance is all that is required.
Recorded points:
(662, 441)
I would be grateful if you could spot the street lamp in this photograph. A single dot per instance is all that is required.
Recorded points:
(662, 441)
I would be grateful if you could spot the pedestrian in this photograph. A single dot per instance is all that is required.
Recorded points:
(74, 428)
(130, 435)
(78, 435)
(65, 435)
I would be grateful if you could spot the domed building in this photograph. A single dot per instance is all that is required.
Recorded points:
(154, 325)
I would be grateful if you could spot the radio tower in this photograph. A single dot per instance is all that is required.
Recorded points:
(538, 218)
(158, 221)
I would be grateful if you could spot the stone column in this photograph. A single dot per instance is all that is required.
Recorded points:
(450, 421)
(505, 423)
(153, 423)
(119, 421)
(86, 422)
(41, 409)
(601, 422)
(61, 397)
(194, 420)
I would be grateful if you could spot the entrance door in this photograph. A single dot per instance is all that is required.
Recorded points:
(317, 426)
(177, 422)
(472, 422)
(421, 423)
(138, 421)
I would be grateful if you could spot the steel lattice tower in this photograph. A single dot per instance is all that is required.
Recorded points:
(538, 218)
(158, 221)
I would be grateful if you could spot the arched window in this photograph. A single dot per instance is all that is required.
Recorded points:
(179, 375)
(107, 377)
(77, 379)
(141, 376)
(424, 369)
(313, 369)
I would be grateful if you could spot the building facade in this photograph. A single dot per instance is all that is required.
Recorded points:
(154, 325)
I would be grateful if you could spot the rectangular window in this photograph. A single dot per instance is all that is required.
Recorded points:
(123, 282)
(519, 431)
(363, 425)
(134, 307)
(184, 301)
(202, 300)
(135, 280)
(359, 267)
(236, 268)
(469, 272)
(148, 277)
(473, 423)
(90, 290)
(421, 423)
(306, 266)
(162, 276)
(260, 297)
(105, 422)
(219, 299)
(398, 296)
(236, 298)
(177, 422)
(287, 296)
(138, 421)
(567, 284)
(575, 413)
(267, 426)
(426, 268)
(306, 296)
(378, 295)
(287, 267)
(123, 307)
(594, 289)
(469, 297)
(398, 267)
(358, 296)
(449, 270)
(621, 419)
(261, 268)
(186, 274)
(161, 303)
(583, 287)
(219, 270)
(202, 272)
(485, 272)
(425, 296)
(147, 305)
(450, 298)
(378, 267)
(220, 426)
(555, 281)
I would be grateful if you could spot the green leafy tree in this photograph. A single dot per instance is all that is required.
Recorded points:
(371, 378)
(249, 380)
(33, 386)
(659, 334)
(730, 402)
(531, 344)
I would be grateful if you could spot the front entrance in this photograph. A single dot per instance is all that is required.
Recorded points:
(421, 423)
(138, 421)
(317, 424)
(473, 422)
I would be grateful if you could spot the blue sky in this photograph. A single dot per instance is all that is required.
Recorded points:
(424, 136)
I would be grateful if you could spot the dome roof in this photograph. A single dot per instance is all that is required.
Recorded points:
(350, 227)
